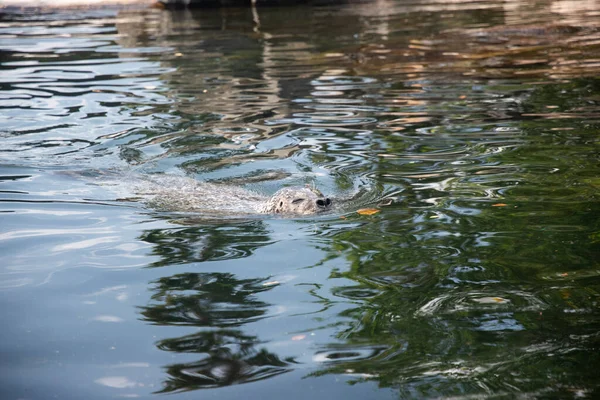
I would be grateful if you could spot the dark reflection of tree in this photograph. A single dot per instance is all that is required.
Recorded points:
(222, 368)
(207, 241)
(221, 304)
(216, 300)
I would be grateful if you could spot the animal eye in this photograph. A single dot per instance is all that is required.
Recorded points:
(296, 201)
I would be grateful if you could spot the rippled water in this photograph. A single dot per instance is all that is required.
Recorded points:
(477, 121)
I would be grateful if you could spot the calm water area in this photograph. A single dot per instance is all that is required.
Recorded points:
(470, 131)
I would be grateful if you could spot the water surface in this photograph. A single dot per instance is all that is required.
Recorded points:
(478, 121)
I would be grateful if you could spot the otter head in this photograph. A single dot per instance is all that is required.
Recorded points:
(297, 201)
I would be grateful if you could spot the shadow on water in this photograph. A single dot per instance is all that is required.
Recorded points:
(480, 119)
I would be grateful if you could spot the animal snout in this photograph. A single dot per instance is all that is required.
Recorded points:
(324, 203)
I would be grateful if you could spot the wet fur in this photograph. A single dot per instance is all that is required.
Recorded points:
(184, 194)
(301, 201)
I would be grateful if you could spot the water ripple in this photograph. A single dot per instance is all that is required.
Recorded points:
(464, 133)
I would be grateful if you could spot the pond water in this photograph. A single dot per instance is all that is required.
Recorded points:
(470, 128)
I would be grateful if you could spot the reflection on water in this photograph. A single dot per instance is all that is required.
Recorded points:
(213, 300)
(478, 119)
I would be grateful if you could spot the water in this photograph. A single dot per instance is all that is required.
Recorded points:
(478, 121)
